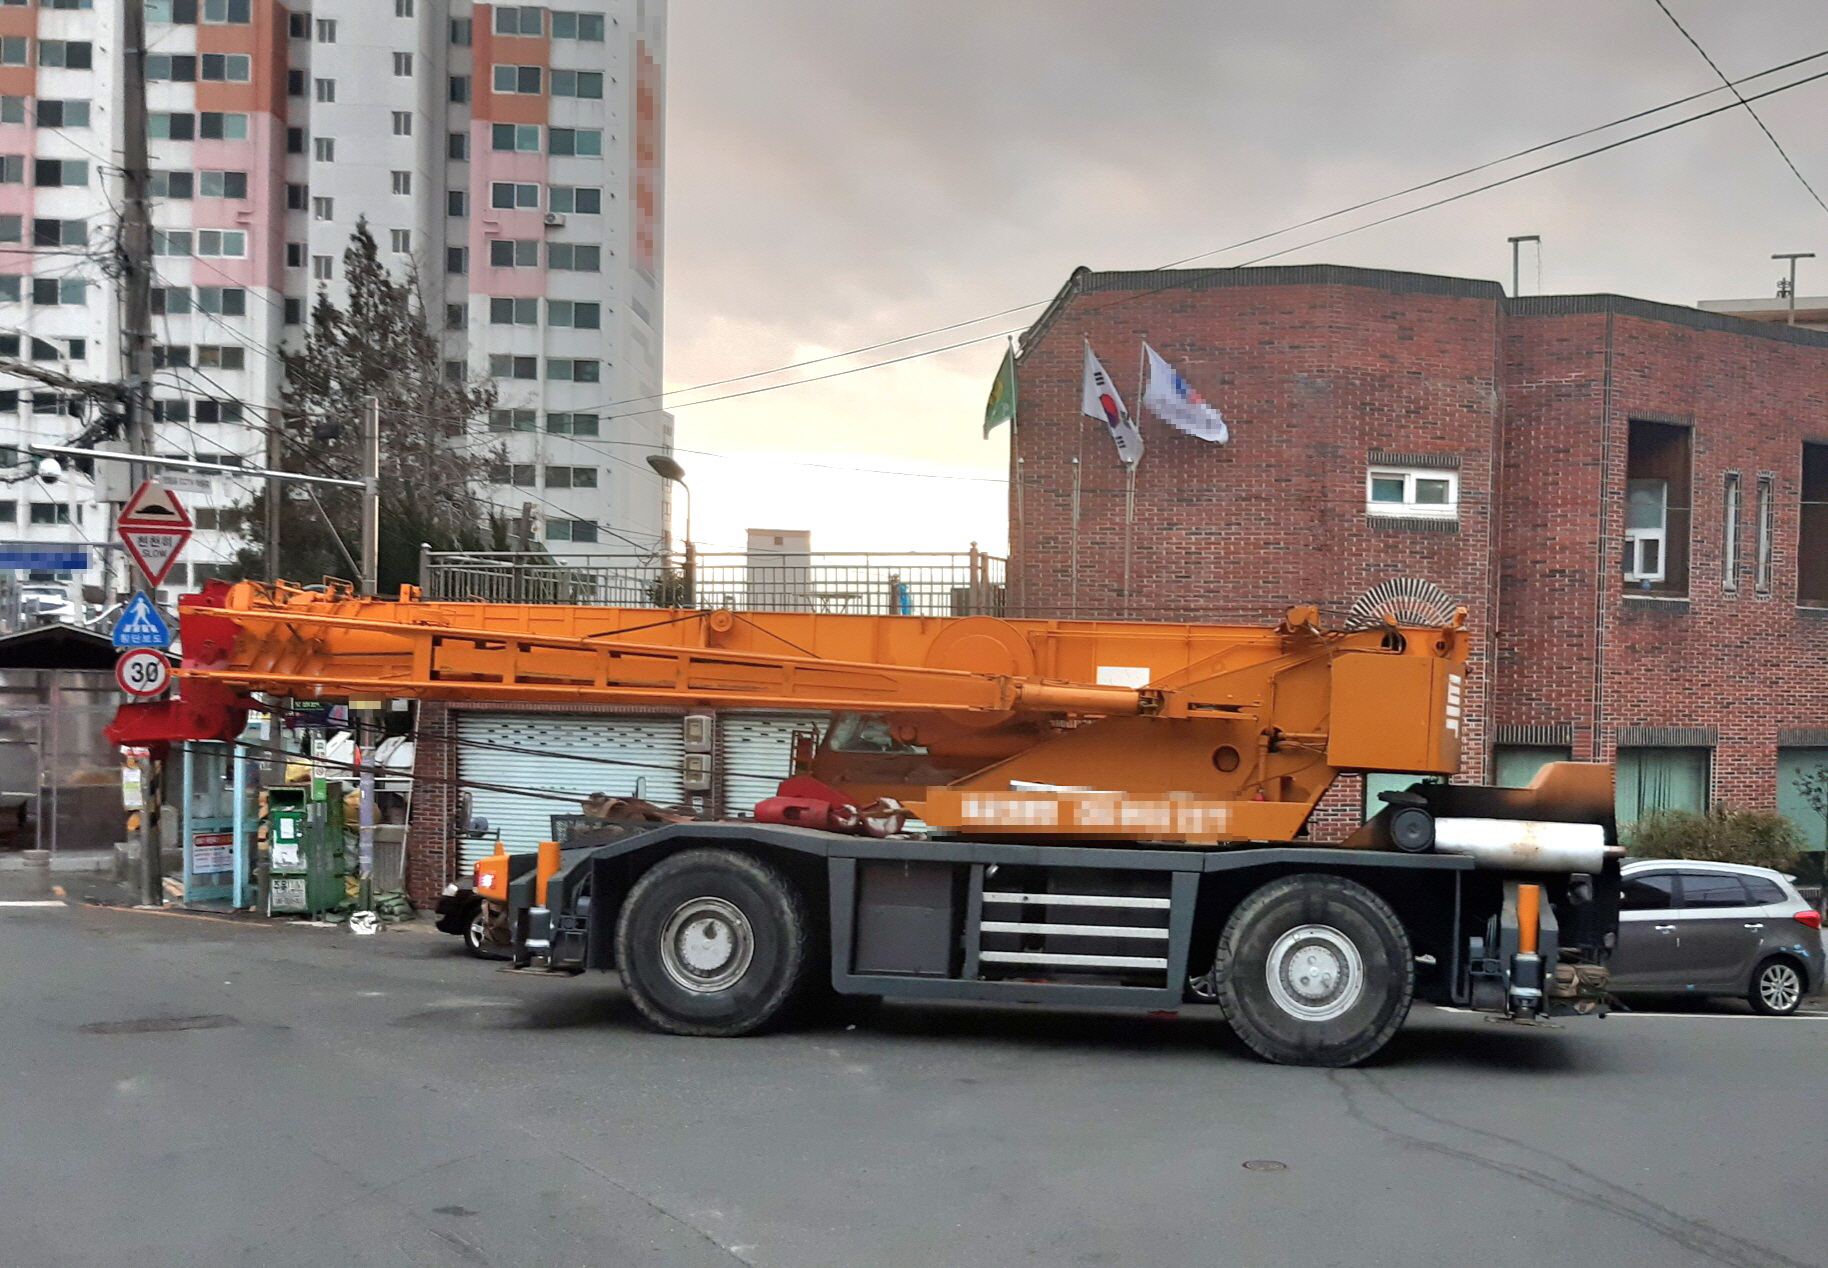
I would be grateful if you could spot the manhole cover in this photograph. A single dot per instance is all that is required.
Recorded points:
(155, 1025)
(1265, 1164)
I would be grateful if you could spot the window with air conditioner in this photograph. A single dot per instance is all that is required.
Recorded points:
(1656, 545)
(1646, 531)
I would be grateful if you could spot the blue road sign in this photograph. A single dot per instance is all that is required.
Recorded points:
(140, 625)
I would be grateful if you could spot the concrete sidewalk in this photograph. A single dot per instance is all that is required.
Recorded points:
(60, 860)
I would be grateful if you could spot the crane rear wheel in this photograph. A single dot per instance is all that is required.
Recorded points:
(712, 942)
(1314, 970)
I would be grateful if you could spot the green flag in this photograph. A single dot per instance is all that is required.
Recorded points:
(1001, 407)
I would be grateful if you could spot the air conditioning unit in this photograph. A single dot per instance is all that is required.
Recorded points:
(554, 220)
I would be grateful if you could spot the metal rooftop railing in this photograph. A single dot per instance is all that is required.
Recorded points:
(968, 583)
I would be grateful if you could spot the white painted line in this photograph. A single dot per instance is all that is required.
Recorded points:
(1725, 1016)
(33, 902)
(1617, 1013)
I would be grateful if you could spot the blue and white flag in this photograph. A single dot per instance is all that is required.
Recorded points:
(1175, 402)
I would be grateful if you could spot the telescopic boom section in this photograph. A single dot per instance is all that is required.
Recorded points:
(1065, 729)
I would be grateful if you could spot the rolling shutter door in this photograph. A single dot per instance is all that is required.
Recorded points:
(540, 765)
(755, 753)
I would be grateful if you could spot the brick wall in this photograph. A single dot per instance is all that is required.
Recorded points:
(1316, 367)
(431, 851)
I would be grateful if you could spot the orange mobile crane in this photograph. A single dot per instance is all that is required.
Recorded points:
(1110, 814)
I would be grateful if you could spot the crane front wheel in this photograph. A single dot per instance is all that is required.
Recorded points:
(712, 942)
(1314, 970)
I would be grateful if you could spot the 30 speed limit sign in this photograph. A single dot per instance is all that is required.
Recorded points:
(143, 672)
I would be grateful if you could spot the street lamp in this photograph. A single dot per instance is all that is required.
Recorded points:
(1790, 290)
(667, 469)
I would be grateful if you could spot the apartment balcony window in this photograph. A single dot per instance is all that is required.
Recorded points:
(235, 12)
(525, 80)
(577, 26)
(514, 253)
(584, 84)
(575, 200)
(69, 54)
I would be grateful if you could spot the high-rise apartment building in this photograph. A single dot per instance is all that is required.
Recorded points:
(512, 155)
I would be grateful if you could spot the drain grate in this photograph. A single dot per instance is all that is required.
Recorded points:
(158, 1025)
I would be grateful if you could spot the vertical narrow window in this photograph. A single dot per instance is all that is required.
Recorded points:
(1765, 528)
(1812, 529)
(1729, 533)
(1657, 508)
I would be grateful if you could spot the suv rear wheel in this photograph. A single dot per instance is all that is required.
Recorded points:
(1777, 988)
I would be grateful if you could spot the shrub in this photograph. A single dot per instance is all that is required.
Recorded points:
(1761, 838)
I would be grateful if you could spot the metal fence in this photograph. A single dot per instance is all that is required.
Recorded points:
(967, 583)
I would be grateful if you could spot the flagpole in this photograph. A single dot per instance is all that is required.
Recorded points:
(1129, 474)
(1073, 603)
(1129, 525)
(1015, 436)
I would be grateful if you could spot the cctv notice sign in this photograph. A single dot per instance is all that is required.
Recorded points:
(155, 527)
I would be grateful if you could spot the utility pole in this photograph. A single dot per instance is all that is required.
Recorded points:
(371, 495)
(1517, 260)
(136, 336)
(523, 543)
(1793, 257)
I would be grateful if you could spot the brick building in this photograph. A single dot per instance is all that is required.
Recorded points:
(1630, 499)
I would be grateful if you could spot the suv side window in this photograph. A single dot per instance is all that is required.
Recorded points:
(1652, 892)
(1712, 889)
(1764, 892)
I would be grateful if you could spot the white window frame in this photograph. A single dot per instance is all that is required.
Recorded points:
(1409, 508)
(1639, 540)
(1731, 511)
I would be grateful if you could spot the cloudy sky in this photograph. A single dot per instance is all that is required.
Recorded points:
(846, 172)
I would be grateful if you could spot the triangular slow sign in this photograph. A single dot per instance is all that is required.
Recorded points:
(141, 625)
(154, 506)
(155, 550)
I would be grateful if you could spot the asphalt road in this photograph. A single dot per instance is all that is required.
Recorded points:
(333, 1100)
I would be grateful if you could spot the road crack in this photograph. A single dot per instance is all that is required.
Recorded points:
(1573, 1184)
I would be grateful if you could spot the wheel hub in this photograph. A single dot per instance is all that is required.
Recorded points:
(1780, 987)
(706, 945)
(1315, 972)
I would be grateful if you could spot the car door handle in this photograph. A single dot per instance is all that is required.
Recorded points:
(1664, 928)
(1758, 925)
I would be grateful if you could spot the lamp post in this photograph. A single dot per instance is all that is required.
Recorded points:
(667, 469)
(1793, 257)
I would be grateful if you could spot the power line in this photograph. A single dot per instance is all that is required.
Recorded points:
(1776, 144)
(1251, 241)
(1480, 189)
(1428, 206)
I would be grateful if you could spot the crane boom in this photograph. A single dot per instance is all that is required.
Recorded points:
(1178, 733)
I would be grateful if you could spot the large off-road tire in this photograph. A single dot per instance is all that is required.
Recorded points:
(713, 942)
(1314, 970)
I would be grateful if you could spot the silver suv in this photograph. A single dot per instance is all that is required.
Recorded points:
(1716, 929)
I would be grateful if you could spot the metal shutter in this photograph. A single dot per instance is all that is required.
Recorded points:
(755, 753)
(571, 757)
